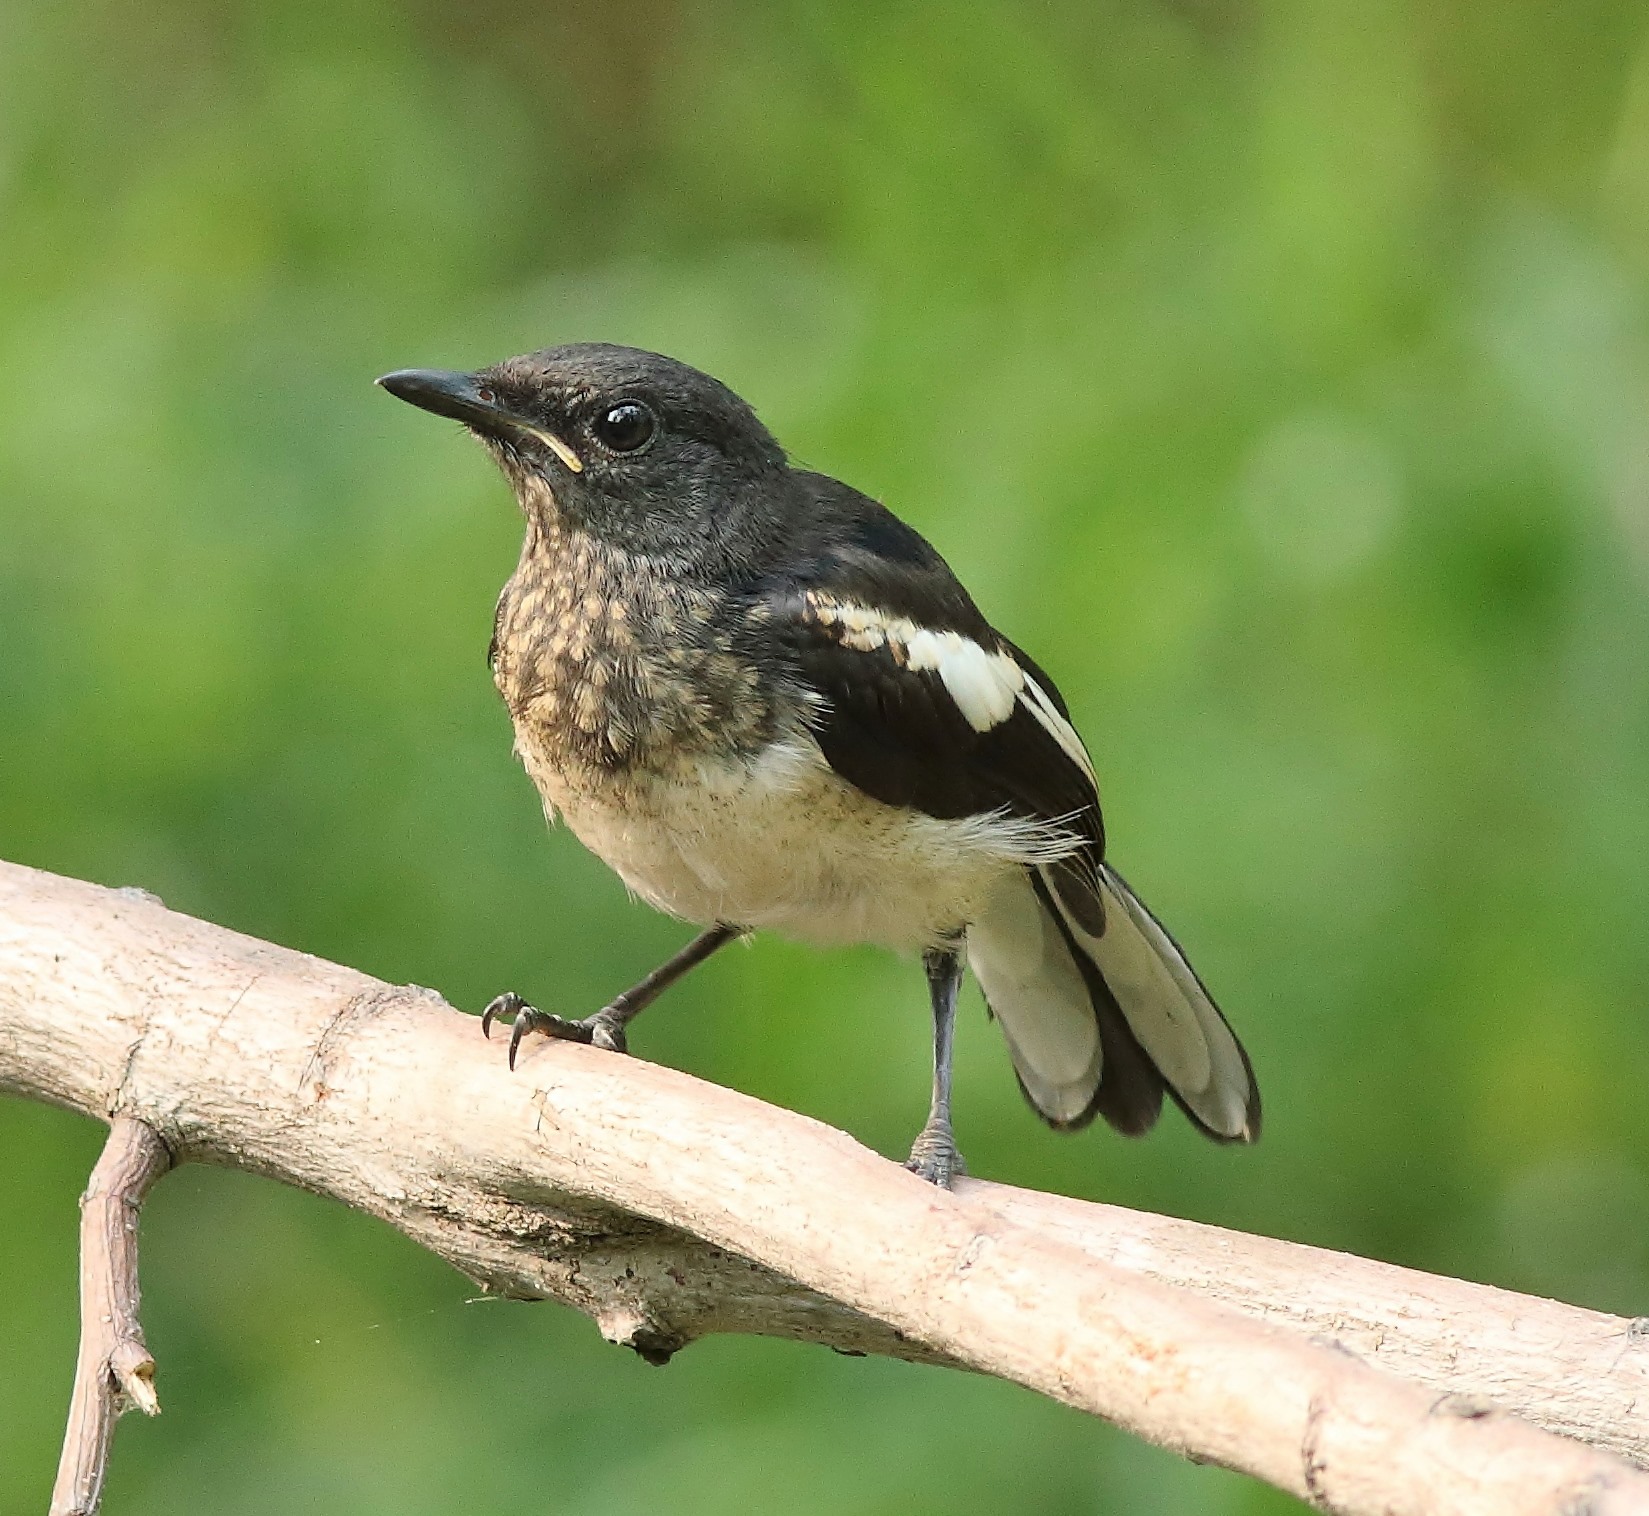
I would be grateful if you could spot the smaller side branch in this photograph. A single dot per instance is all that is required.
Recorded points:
(114, 1370)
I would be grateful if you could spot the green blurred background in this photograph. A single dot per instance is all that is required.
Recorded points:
(1277, 373)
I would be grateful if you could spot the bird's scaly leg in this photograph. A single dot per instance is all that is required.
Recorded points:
(934, 1155)
(605, 1029)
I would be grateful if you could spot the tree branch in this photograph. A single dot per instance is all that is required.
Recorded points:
(114, 1370)
(667, 1208)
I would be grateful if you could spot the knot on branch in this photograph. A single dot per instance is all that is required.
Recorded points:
(629, 1326)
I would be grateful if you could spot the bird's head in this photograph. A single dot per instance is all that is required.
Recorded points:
(635, 448)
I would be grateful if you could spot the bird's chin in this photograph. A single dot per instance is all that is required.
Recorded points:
(511, 452)
(533, 489)
(516, 451)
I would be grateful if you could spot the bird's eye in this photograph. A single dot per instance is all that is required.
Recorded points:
(626, 426)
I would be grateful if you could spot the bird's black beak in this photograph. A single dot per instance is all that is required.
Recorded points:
(466, 399)
(433, 389)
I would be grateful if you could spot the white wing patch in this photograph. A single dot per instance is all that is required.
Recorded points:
(985, 686)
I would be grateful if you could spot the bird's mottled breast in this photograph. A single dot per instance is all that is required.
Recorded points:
(614, 666)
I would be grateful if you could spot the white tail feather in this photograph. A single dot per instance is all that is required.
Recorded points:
(1038, 995)
(1168, 1011)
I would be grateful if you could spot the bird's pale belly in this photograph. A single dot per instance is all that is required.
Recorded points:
(781, 842)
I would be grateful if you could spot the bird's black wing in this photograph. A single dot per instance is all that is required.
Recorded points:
(919, 702)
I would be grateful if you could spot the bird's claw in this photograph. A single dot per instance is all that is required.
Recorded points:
(601, 1030)
(935, 1157)
(501, 1007)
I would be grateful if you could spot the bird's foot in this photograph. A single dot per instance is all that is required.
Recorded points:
(935, 1157)
(603, 1030)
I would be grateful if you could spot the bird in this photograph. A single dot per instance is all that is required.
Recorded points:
(767, 703)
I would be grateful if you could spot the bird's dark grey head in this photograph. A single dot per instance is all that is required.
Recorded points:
(636, 448)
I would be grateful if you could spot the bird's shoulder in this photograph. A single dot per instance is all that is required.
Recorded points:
(848, 544)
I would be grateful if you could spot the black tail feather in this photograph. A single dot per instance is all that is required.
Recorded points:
(1129, 1093)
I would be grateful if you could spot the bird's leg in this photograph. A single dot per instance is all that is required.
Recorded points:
(934, 1155)
(605, 1029)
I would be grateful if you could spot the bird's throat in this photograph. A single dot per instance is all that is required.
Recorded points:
(612, 661)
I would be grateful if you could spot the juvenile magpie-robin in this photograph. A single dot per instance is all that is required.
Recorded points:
(767, 702)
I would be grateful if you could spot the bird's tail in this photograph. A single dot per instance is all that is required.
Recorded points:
(1102, 1012)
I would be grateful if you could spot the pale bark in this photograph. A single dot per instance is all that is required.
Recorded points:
(114, 1370)
(667, 1208)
